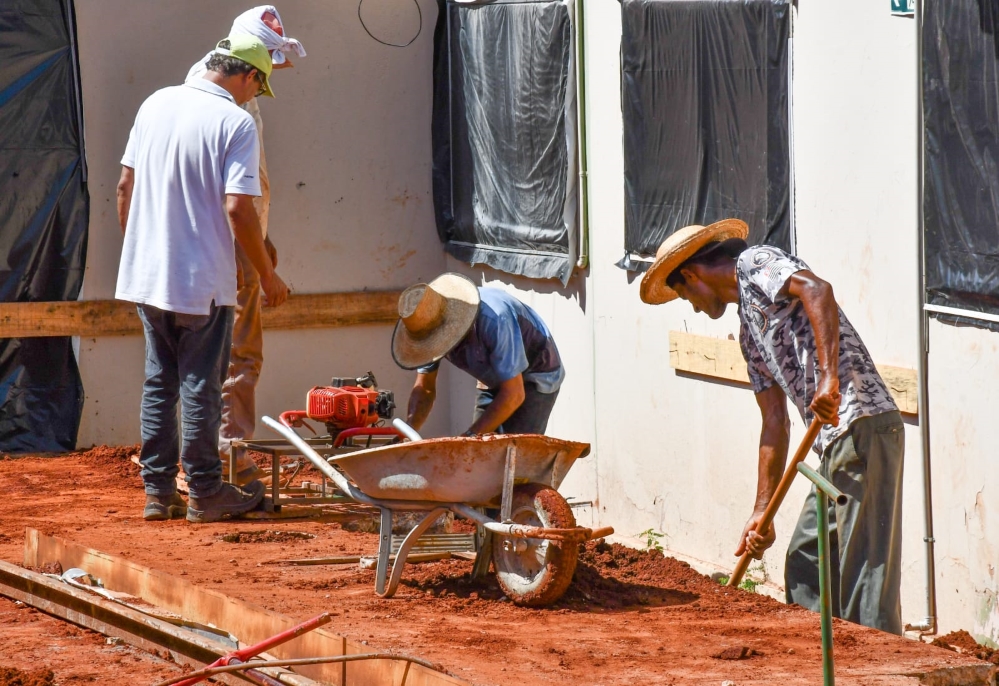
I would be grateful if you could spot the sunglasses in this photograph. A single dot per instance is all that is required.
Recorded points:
(260, 79)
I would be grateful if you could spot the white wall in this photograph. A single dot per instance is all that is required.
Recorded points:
(348, 147)
(678, 454)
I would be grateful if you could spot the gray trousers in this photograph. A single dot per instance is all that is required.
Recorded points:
(865, 534)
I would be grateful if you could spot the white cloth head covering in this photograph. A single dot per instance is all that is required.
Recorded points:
(251, 23)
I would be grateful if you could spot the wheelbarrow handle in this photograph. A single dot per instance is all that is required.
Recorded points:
(778, 497)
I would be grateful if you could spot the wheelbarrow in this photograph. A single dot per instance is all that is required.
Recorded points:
(534, 545)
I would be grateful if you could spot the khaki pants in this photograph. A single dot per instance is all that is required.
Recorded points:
(239, 409)
(865, 534)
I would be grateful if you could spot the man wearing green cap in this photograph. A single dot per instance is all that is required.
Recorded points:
(191, 145)
(246, 355)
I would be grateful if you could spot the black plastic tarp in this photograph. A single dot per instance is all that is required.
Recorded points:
(44, 211)
(961, 202)
(705, 105)
(504, 135)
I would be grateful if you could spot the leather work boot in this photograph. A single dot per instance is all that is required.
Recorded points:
(229, 501)
(160, 508)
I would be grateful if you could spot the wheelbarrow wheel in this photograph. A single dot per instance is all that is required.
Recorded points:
(532, 571)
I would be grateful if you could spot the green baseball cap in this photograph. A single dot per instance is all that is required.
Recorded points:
(252, 51)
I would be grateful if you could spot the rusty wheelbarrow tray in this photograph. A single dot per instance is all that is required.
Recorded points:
(534, 544)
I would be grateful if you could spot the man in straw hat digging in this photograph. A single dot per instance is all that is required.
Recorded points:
(495, 338)
(798, 342)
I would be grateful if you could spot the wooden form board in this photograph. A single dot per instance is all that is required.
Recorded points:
(249, 623)
(92, 318)
(721, 358)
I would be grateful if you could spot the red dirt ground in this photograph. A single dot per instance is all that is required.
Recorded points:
(629, 617)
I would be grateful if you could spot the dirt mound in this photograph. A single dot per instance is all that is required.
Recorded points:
(963, 642)
(11, 676)
(114, 462)
(266, 537)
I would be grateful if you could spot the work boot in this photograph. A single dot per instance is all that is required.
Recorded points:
(162, 507)
(229, 501)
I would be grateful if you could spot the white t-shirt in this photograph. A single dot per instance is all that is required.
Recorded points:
(190, 146)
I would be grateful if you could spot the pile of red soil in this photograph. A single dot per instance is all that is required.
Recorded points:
(114, 463)
(963, 642)
(11, 676)
(608, 575)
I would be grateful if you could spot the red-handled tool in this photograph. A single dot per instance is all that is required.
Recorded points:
(244, 654)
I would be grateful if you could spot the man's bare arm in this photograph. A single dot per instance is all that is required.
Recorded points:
(508, 398)
(820, 305)
(421, 399)
(125, 185)
(246, 228)
(774, 438)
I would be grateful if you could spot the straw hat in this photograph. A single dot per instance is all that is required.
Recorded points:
(677, 249)
(433, 318)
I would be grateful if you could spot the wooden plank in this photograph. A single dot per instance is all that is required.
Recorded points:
(93, 318)
(721, 358)
(248, 622)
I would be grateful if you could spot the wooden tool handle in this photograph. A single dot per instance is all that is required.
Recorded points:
(778, 497)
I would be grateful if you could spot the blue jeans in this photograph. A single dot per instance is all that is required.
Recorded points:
(530, 418)
(186, 359)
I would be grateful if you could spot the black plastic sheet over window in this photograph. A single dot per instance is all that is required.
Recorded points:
(961, 206)
(705, 100)
(44, 208)
(504, 135)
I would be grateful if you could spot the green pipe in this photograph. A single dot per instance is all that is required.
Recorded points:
(583, 261)
(822, 484)
(822, 515)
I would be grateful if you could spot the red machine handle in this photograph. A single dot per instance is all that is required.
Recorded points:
(296, 418)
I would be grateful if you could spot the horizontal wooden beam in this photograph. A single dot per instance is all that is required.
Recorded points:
(721, 358)
(93, 318)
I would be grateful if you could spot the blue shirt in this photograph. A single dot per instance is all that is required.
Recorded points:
(507, 338)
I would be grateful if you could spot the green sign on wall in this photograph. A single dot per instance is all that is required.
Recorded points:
(903, 7)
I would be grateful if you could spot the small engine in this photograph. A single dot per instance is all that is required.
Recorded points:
(348, 403)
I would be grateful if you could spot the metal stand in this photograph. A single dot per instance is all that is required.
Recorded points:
(317, 494)
(823, 491)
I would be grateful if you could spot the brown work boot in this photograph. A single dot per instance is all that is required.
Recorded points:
(160, 508)
(229, 501)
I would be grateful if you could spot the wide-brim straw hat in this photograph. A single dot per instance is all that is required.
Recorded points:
(433, 318)
(677, 249)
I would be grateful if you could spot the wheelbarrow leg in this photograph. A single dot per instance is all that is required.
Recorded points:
(384, 550)
(407, 545)
(484, 539)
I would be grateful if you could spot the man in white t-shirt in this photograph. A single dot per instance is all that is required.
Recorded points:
(246, 355)
(190, 147)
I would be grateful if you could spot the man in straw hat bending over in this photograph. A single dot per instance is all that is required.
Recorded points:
(798, 342)
(495, 338)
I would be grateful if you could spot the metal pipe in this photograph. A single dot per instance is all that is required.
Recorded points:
(822, 484)
(583, 261)
(406, 430)
(929, 624)
(825, 580)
